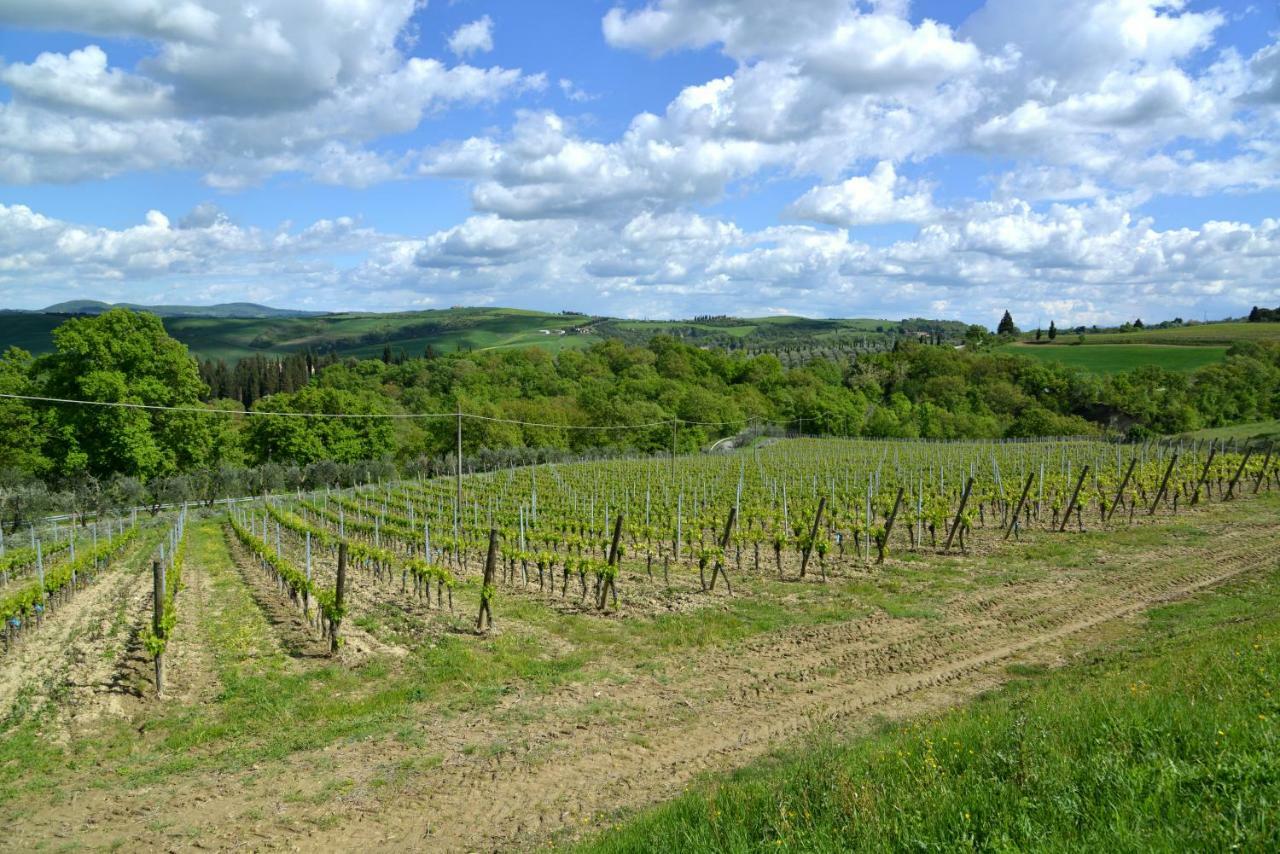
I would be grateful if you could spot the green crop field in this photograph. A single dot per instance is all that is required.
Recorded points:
(1254, 430)
(1113, 358)
(1201, 334)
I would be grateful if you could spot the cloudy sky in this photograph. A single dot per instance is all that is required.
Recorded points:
(1078, 160)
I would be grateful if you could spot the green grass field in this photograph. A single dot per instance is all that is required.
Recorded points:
(1201, 334)
(1169, 741)
(1255, 430)
(1114, 358)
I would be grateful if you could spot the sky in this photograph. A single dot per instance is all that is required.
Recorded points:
(1082, 161)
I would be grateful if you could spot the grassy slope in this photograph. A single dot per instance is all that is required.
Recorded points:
(1255, 430)
(1204, 334)
(1114, 358)
(1168, 741)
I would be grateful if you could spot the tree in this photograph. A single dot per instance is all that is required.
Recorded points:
(1053, 330)
(24, 427)
(1037, 334)
(122, 356)
(1137, 324)
(975, 335)
(1007, 326)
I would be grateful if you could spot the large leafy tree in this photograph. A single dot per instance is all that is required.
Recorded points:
(123, 356)
(308, 440)
(24, 427)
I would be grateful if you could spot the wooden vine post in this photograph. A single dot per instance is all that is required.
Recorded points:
(1164, 484)
(720, 568)
(1231, 487)
(609, 587)
(955, 526)
(1022, 502)
(457, 506)
(485, 618)
(1120, 492)
(157, 619)
(1195, 497)
(813, 536)
(338, 595)
(888, 525)
(1262, 475)
(1071, 505)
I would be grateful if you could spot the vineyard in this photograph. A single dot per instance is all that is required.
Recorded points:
(669, 530)
(570, 638)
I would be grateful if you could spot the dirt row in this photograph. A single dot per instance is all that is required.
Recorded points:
(86, 656)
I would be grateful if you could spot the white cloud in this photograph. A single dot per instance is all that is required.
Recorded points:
(1099, 106)
(237, 91)
(475, 37)
(880, 197)
(1095, 262)
(81, 81)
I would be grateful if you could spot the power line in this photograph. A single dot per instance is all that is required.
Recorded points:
(256, 413)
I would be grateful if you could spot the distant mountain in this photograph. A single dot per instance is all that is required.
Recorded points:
(226, 309)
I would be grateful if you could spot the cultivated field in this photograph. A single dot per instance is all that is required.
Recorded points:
(652, 620)
(1115, 358)
(1201, 334)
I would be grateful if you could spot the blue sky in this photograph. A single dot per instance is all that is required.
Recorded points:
(1081, 160)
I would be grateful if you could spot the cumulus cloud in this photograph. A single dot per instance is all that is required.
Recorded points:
(237, 91)
(1080, 111)
(1096, 261)
(475, 37)
(880, 197)
(81, 80)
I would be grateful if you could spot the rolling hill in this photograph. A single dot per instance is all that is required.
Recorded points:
(237, 330)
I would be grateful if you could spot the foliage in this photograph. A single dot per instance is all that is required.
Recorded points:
(123, 357)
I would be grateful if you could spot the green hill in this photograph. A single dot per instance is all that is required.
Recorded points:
(234, 331)
(226, 309)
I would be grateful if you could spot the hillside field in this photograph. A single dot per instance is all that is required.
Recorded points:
(1114, 358)
(1200, 334)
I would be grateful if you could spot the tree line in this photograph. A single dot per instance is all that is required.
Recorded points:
(910, 390)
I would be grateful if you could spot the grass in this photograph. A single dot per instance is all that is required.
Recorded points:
(1116, 358)
(1168, 741)
(1201, 334)
(1255, 430)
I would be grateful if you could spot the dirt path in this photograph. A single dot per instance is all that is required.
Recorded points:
(82, 656)
(190, 669)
